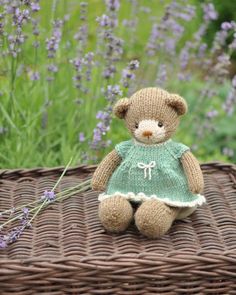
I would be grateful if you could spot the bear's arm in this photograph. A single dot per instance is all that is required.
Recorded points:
(193, 172)
(104, 171)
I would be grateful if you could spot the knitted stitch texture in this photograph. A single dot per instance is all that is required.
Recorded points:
(105, 170)
(161, 175)
(115, 214)
(153, 218)
(152, 172)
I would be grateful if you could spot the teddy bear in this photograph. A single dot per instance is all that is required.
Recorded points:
(149, 179)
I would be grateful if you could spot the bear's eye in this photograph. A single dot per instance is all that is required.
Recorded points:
(160, 124)
(136, 125)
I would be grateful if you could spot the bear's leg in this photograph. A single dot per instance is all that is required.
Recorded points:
(115, 214)
(153, 218)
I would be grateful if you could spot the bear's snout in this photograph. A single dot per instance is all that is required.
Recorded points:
(147, 133)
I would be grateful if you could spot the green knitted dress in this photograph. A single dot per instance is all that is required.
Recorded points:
(151, 171)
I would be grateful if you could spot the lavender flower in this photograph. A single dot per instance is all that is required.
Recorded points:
(20, 17)
(161, 75)
(152, 45)
(110, 47)
(83, 68)
(101, 115)
(212, 114)
(82, 34)
(14, 234)
(103, 126)
(184, 57)
(35, 6)
(112, 93)
(25, 211)
(226, 26)
(128, 73)
(52, 68)
(165, 35)
(113, 5)
(83, 10)
(88, 62)
(81, 137)
(34, 76)
(104, 21)
(48, 196)
(3, 243)
(24, 218)
(1, 24)
(52, 44)
(229, 104)
(209, 12)
(221, 68)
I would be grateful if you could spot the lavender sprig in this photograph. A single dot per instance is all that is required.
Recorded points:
(47, 198)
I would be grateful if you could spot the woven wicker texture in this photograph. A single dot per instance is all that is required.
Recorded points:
(68, 252)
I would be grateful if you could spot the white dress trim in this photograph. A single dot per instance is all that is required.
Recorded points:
(140, 197)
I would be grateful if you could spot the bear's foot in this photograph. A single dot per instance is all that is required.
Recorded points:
(154, 218)
(115, 214)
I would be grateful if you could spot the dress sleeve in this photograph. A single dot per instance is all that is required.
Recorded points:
(179, 149)
(123, 148)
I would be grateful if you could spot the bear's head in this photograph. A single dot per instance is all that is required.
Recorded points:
(151, 114)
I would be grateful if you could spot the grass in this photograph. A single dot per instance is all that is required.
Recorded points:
(43, 120)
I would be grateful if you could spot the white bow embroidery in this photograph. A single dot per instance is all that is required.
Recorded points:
(147, 168)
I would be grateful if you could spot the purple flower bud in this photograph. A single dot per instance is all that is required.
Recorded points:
(162, 75)
(226, 26)
(53, 68)
(25, 210)
(209, 12)
(34, 76)
(81, 137)
(103, 20)
(35, 6)
(52, 44)
(48, 196)
(3, 243)
(102, 115)
(113, 5)
(212, 114)
(170, 45)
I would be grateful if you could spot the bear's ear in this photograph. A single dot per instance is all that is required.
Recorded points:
(121, 107)
(178, 103)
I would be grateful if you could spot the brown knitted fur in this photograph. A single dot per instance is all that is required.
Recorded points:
(105, 170)
(193, 172)
(115, 214)
(151, 103)
(153, 218)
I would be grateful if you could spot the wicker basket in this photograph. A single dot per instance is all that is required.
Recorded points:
(68, 252)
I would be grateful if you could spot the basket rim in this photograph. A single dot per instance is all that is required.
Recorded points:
(173, 258)
(45, 171)
(87, 169)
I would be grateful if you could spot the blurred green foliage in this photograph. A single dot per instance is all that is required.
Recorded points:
(27, 144)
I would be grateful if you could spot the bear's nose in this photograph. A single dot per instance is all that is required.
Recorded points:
(147, 133)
